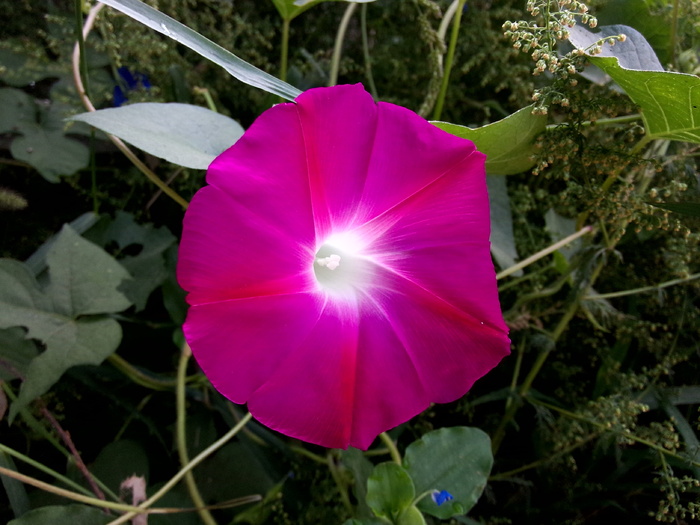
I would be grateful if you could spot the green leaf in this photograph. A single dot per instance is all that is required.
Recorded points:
(64, 515)
(686, 208)
(240, 69)
(669, 102)
(508, 143)
(83, 282)
(50, 152)
(634, 53)
(119, 460)
(389, 490)
(148, 268)
(361, 468)
(502, 238)
(16, 353)
(183, 134)
(290, 9)
(457, 460)
(16, 110)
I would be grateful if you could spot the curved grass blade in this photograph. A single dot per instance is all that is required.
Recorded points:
(237, 67)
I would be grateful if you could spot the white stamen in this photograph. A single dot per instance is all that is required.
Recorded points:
(331, 262)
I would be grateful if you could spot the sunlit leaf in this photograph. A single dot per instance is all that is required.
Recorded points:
(507, 143)
(183, 134)
(389, 490)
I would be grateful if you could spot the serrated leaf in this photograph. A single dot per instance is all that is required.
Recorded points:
(83, 281)
(389, 490)
(456, 459)
(183, 134)
(169, 27)
(507, 143)
(63, 515)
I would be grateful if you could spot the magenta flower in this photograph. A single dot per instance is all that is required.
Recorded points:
(338, 268)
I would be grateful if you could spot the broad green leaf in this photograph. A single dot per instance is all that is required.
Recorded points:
(685, 208)
(508, 143)
(118, 460)
(50, 152)
(669, 102)
(16, 353)
(169, 27)
(456, 459)
(64, 515)
(183, 134)
(16, 109)
(147, 268)
(64, 316)
(410, 516)
(390, 490)
(502, 239)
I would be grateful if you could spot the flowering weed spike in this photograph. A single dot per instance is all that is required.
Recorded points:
(338, 268)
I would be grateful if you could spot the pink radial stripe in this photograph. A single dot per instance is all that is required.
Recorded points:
(338, 139)
(311, 394)
(450, 349)
(244, 256)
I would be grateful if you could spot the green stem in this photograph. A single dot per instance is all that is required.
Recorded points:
(542, 253)
(46, 470)
(449, 60)
(643, 289)
(342, 486)
(78, 4)
(602, 122)
(181, 436)
(139, 377)
(674, 31)
(307, 453)
(393, 451)
(284, 56)
(184, 470)
(338, 48)
(365, 52)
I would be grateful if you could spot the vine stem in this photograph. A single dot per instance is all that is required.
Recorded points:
(80, 88)
(643, 289)
(449, 60)
(365, 52)
(393, 451)
(181, 437)
(284, 53)
(543, 253)
(184, 470)
(338, 48)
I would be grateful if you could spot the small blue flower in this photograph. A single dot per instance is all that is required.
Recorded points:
(128, 81)
(441, 496)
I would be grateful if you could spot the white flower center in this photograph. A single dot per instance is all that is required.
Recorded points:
(340, 268)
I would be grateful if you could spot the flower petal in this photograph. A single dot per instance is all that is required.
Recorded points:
(228, 251)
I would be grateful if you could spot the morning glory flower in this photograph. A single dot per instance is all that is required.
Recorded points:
(338, 270)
